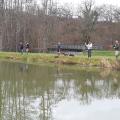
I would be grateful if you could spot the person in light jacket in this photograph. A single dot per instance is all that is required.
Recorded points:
(89, 48)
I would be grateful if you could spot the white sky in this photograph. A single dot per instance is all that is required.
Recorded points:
(74, 3)
(98, 2)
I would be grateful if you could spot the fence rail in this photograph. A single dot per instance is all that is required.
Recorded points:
(74, 48)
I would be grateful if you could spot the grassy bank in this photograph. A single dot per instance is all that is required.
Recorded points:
(99, 58)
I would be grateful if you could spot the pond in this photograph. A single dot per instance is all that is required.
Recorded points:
(53, 92)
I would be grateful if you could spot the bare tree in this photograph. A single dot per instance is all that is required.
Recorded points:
(46, 24)
(117, 14)
(107, 13)
(65, 11)
(88, 19)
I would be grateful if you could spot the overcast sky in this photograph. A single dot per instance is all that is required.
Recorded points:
(98, 2)
(74, 3)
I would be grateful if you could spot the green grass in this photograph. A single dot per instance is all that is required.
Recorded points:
(80, 59)
(104, 53)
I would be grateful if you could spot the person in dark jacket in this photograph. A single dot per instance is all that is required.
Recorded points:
(59, 48)
(21, 46)
(27, 47)
(116, 46)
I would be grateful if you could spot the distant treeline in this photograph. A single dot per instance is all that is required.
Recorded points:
(43, 25)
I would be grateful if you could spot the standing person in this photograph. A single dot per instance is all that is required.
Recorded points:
(27, 47)
(116, 46)
(59, 48)
(89, 48)
(21, 47)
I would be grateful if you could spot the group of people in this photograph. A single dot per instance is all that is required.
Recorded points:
(89, 47)
(116, 46)
(23, 47)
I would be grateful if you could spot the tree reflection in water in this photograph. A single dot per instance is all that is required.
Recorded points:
(29, 92)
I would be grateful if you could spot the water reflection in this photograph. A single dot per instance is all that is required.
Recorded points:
(32, 92)
(23, 67)
(97, 110)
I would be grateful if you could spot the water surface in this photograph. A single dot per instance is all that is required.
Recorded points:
(53, 92)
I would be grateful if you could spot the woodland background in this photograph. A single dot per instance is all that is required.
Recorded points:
(44, 25)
